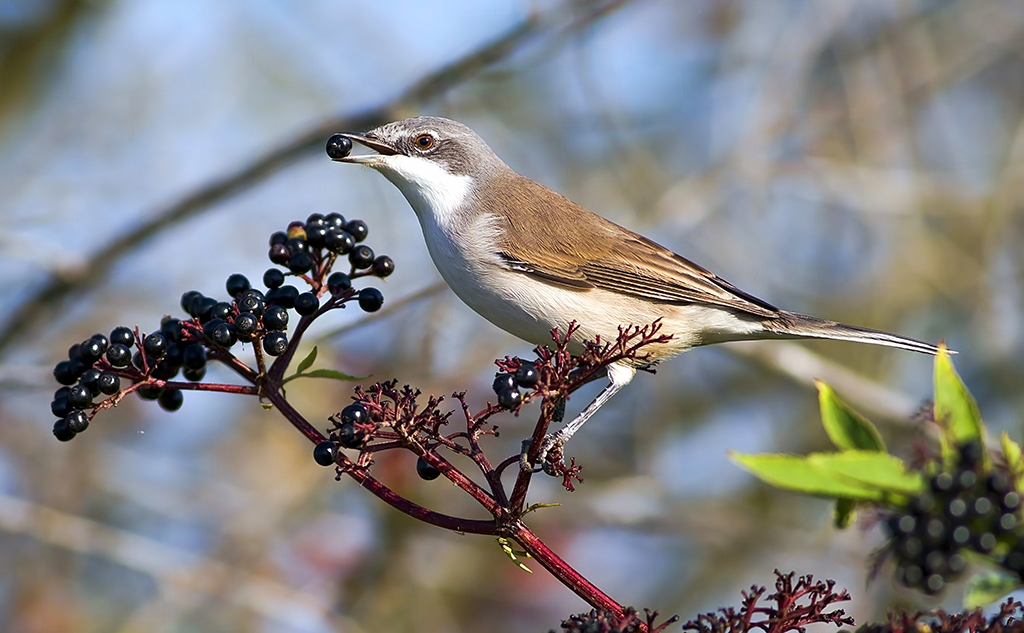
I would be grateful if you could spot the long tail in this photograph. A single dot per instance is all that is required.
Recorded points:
(793, 325)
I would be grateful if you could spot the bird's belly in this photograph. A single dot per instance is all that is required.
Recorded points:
(530, 309)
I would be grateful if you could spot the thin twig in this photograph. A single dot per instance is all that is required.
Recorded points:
(60, 288)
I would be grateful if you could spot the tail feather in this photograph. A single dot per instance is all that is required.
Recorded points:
(793, 325)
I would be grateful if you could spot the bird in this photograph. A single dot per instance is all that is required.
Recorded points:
(529, 260)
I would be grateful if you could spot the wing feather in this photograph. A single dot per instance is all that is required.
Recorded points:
(579, 250)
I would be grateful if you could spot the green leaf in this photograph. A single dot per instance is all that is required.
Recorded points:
(793, 472)
(307, 362)
(855, 475)
(872, 469)
(956, 412)
(847, 429)
(333, 374)
(844, 514)
(1014, 461)
(984, 589)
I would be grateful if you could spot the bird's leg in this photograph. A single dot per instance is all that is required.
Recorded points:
(619, 376)
(559, 439)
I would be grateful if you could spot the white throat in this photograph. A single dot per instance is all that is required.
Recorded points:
(433, 193)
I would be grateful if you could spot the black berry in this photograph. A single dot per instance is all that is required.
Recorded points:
(252, 304)
(60, 406)
(283, 296)
(426, 471)
(361, 257)
(246, 324)
(334, 220)
(171, 329)
(171, 399)
(527, 375)
(275, 343)
(90, 350)
(275, 318)
(338, 147)
(1010, 501)
(370, 299)
(118, 355)
(278, 237)
(77, 421)
(350, 437)
(324, 453)
(357, 229)
(194, 356)
(383, 266)
(221, 310)
(315, 235)
(971, 454)
(88, 380)
(966, 480)
(279, 254)
(273, 278)
(997, 483)
(237, 284)
(187, 299)
(941, 483)
(64, 372)
(300, 262)
(203, 308)
(210, 325)
(62, 432)
(102, 340)
(510, 398)
(338, 282)
(339, 241)
(78, 366)
(155, 346)
(175, 354)
(79, 397)
(108, 383)
(306, 303)
(224, 335)
(355, 413)
(503, 382)
(124, 336)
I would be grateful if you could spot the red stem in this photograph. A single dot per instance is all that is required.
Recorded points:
(385, 494)
(562, 571)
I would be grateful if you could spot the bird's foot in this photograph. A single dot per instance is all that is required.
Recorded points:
(551, 445)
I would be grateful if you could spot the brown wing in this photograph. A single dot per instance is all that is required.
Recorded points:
(582, 251)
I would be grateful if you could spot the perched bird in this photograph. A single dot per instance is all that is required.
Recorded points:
(528, 259)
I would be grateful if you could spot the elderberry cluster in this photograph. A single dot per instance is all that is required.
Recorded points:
(351, 428)
(309, 250)
(963, 510)
(506, 386)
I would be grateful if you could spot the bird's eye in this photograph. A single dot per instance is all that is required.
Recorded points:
(424, 142)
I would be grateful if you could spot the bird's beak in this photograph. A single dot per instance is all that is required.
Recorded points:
(382, 149)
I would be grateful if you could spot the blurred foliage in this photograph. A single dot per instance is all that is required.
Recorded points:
(863, 161)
